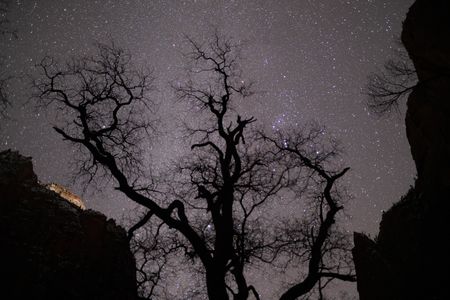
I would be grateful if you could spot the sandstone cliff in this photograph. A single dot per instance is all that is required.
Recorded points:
(410, 257)
(51, 248)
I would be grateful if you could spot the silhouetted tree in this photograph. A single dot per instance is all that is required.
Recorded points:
(215, 205)
(388, 86)
(324, 249)
(152, 251)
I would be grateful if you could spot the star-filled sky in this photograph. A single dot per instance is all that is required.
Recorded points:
(310, 59)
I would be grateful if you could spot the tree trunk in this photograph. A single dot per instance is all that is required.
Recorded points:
(215, 284)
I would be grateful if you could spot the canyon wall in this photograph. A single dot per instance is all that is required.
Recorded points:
(410, 257)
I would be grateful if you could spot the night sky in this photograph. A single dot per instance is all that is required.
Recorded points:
(309, 58)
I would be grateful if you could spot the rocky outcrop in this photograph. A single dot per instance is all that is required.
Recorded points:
(66, 194)
(51, 248)
(410, 257)
(425, 35)
(374, 274)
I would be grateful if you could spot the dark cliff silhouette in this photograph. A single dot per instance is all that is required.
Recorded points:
(53, 249)
(410, 257)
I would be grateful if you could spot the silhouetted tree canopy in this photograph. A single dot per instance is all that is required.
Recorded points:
(391, 84)
(219, 206)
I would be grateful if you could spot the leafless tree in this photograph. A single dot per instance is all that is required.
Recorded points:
(315, 239)
(388, 86)
(103, 106)
(153, 251)
(214, 206)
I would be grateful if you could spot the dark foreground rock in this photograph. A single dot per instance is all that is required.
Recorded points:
(51, 248)
(410, 258)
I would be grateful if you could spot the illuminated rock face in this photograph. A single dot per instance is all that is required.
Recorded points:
(50, 248)
(66, 194)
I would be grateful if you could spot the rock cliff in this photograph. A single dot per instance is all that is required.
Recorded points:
(53, 249)
(410, 257)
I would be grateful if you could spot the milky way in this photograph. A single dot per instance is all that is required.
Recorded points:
(310, 60)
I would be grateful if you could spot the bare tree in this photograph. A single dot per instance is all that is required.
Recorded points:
(390, 85)
(315, 239)
(153, 251)
(214, 206)
(102, 103)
